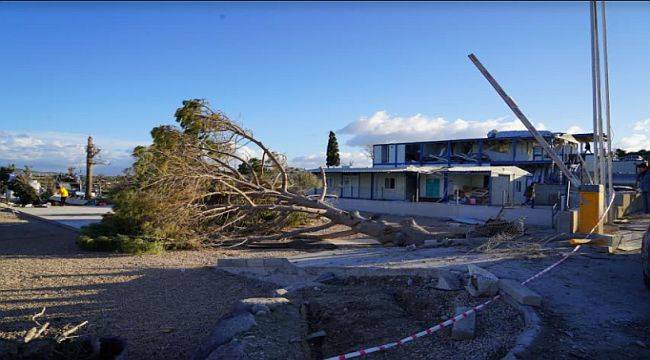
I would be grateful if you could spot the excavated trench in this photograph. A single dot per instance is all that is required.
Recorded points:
(361, 312)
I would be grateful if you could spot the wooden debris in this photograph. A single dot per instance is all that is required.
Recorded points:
(67, 334)
(35, 333)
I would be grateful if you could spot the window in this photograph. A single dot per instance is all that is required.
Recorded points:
(389, 183)
(412, 153)
(518, 186)
(384, 154)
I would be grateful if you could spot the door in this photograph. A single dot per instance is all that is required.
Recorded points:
(500, 190)
(432, 189)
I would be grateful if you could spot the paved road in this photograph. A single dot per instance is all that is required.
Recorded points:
(73, 216)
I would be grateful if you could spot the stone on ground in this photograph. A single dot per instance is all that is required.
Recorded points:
(463, 329)
(520, 293)
(449, 281)
(481, 282)
(263, 304)
(230, 351)
(227, 327)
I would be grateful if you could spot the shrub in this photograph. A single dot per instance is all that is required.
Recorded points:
(120, 243)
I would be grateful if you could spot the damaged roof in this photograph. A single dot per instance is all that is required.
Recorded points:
(504, 170)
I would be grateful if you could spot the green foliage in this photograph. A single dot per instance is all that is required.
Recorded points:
(297, 219)
(120, 243)
(245, 169)
(141, 209)
(333, 158)
(643, 153)
(5, 171)
(24, 191)
(303, 181)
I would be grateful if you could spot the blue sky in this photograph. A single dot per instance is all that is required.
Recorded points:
(293, 71)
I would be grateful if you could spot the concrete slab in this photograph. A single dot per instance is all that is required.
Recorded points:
(481, 282)
(73, 217)
(520, 293)
(449, 281)
(232, 262)
(540, 215)
(464, 328)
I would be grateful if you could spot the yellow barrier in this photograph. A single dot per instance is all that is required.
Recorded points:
(592, 206)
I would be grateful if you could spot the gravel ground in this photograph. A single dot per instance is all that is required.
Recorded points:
(365, 312)
(163, 305)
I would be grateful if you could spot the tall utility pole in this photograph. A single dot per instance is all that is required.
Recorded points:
(602, 147)
(91, 152)
(595, 83)
(610, 183)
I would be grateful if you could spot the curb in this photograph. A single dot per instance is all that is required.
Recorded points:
(532, 329)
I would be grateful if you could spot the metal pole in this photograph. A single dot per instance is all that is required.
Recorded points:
(594, 86)
(520, 115)
(610, 189)
(601, 130)
(90, 154)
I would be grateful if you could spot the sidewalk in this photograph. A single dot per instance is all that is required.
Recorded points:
(73, 217)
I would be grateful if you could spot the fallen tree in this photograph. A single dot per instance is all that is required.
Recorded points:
(208, 157)
(207, 184)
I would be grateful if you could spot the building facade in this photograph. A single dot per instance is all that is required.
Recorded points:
(495, 170)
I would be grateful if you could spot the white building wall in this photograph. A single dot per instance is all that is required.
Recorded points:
(541, 216)
(524, 151)
(365, 185)
(334, 184)
(383, 193)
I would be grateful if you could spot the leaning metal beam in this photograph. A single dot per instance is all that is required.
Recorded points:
(515, 109)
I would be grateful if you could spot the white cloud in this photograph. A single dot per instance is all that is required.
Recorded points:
(634, 142)
(248, 152)
(53, 151)
(643, 125)
(312, 161)
(383, 127)
(574, 129)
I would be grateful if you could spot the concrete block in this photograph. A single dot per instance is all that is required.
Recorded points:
(232, 263)
(449, 281)
(280, 292)
(231, 351)
(464, 328)
(255, 262)
(520, 293)
(481, 282)
(567, 221)
(277, 262)
(256, 304)
(227, 327)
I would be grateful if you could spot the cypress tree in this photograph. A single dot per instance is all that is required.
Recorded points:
(333, 158)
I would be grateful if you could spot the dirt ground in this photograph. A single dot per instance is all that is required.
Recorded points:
(594, 306)
(365, 312)
(162, 305)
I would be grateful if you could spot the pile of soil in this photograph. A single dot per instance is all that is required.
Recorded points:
(368, 311)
